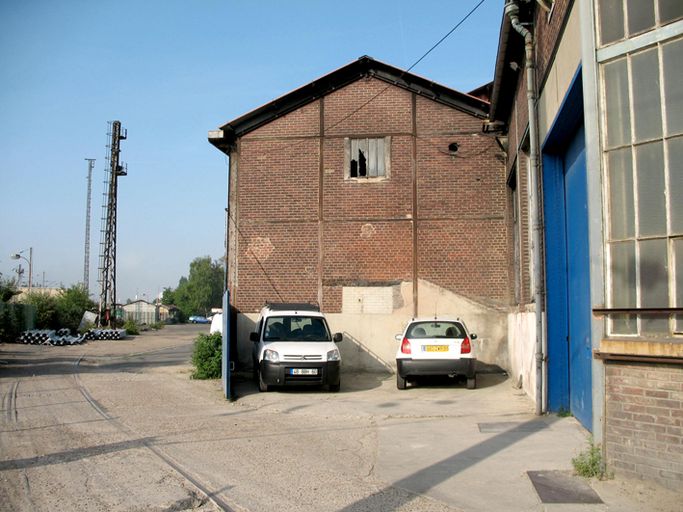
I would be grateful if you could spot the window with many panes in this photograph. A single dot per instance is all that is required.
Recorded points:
(367, 158)
(642, 143)
(623, 19)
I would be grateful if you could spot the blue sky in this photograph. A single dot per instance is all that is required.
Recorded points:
(170, 71)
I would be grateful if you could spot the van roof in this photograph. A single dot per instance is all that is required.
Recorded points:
(292, 306)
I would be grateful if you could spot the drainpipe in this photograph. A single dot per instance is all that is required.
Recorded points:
(512, 11)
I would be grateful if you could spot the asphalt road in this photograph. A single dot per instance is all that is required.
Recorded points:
(119, 425)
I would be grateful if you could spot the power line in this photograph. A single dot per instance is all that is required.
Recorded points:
(455, 27)
(458, 24)
(448, 34)
(403, 72)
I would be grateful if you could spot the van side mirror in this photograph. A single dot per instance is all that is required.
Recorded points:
(253, 336)
(398, 337)
(473, 336)
(337, 337)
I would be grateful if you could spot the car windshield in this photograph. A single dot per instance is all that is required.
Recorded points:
(436, 329)
(296, 328)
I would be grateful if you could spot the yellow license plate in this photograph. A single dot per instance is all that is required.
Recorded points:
(436, 348)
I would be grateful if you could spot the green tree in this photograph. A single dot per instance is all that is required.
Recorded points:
(8, 289)
(46, 308)
(62, 310)
(201, 290)
(71, 304)
(168, 297)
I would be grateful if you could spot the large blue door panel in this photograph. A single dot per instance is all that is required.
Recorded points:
(567, 261)
(578, 280)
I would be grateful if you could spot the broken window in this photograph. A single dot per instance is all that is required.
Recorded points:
(367, 158)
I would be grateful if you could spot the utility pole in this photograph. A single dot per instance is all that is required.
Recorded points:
(107, 316)
(86, 259)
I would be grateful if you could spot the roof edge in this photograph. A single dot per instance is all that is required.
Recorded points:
(224, 138)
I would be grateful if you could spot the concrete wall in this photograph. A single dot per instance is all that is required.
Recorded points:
(521, 349)
(560, 74)
(372, 316)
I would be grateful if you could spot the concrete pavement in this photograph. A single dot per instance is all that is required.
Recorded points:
(436, 447)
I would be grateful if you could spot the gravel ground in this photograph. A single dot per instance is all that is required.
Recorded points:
(119, 425)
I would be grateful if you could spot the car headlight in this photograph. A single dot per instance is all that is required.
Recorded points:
(271, 355)
(334, 355)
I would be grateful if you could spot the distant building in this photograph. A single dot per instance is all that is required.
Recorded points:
(144, 312)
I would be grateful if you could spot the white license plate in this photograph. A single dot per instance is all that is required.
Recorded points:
(303, 371)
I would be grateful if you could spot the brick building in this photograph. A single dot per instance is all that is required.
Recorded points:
(374, 193)
(595, 176)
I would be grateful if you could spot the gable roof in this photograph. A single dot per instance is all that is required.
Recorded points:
(225, 137)
(136, 302)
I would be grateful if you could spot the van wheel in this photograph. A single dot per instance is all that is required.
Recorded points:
(262, 386)
(472, 382)
(335, 387)
(400, 382)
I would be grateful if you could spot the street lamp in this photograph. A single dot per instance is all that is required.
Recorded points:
(18, 255)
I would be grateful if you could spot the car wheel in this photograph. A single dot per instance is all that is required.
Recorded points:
(262, 386)
(472, 382)
(400, 382)
(335, 387)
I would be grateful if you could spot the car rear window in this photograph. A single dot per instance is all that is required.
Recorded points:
(296, 328)
(436, 330)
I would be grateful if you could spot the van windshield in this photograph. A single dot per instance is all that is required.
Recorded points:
(296, 328)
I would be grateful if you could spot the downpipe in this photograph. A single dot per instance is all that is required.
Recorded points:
(512, 11)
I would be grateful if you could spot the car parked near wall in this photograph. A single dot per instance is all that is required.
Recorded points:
(435, 346)
(293, 346)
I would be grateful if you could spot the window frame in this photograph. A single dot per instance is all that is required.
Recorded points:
(367, 179)
(626, 37)
(656, 39)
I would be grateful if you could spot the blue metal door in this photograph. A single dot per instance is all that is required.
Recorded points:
(578, 279)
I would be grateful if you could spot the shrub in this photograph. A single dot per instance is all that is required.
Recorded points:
(46, 309)
(588, 463)
(131, 327)
(207, 356)
(58, 311)
(71, 304)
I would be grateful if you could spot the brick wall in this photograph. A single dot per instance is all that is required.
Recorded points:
(547, 30)
(644, 422)
(305, 232)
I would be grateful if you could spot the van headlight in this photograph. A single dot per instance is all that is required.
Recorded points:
(271, 355)
(333, 355)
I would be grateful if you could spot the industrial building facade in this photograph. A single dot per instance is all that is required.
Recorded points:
(374, 193)
(607, 114)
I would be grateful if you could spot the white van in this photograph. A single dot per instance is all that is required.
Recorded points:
(293, 346)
